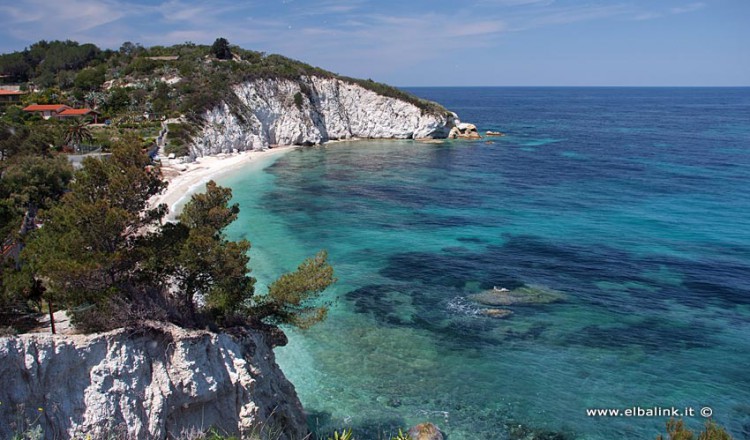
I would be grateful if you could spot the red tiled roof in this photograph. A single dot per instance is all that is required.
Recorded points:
(76, 112)
(45, 107)
(10, 92)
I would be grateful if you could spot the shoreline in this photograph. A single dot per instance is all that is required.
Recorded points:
(184, 179)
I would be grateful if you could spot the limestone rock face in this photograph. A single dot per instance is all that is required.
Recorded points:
(157, 382)
(309, 111)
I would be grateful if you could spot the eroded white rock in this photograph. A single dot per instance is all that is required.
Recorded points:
(330, 109)
(153, 383)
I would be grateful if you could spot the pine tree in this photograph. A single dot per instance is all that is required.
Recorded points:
(221, 49)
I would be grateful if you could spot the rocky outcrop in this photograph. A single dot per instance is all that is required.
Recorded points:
(152, 383)
(309, 111)
(464, 130)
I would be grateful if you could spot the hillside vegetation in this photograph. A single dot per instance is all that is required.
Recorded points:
(184, 79)
(103, 252)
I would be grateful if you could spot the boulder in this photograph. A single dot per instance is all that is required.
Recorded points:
(425, 431)
(464, 130)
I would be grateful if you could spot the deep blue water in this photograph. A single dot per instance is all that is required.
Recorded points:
(632, 202)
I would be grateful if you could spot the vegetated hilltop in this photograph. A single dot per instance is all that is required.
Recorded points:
(181, 79)
(233, 99)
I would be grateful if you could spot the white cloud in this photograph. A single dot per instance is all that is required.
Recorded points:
(651, 15)
(687, 8)
(74, 15)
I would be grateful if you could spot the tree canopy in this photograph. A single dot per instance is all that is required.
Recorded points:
(105, 254)
(221, 49)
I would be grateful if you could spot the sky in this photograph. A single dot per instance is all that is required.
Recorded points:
(430, 43)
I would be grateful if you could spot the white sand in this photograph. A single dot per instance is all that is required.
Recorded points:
(185, 179)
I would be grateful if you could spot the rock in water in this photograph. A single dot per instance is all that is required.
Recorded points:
(425, 431)
(526, 295)
(496, 313)
(465, 131)
(157, 381)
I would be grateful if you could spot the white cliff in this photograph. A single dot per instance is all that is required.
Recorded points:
(154, 383)
(312, 110)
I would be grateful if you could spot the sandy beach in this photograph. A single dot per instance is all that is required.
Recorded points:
(185, 179)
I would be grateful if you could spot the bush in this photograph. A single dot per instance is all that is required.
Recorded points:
(676, 430)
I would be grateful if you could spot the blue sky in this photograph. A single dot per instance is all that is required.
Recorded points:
(436, 42)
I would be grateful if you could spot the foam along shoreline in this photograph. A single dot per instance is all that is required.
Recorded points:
(185, 179)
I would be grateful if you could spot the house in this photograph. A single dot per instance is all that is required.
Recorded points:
(10, 96)
(78, 113)
(46, 110)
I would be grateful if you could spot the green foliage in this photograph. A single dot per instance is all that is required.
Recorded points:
(221, 49)
(298, 100)
(291, 298)
(89, 79)
(676, 430)
(401, 436)
(207, 263)
(117, 100)
(16, 67)
(346, 434)
(77, 132)
(393, 92)
(208, 74)
(178, 139)
(85, 253)
(18, 139)
(43, 60)
(35, 180)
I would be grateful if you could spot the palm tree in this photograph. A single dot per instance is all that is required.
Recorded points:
(78, 132)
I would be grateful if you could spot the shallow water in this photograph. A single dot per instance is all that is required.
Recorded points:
(632, 202)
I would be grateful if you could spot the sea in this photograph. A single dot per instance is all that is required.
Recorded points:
(633, 204)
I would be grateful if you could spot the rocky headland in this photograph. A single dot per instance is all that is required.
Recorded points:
(309, 111)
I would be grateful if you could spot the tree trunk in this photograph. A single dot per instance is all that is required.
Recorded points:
(51, 316)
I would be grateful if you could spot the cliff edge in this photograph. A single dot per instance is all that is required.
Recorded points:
(312, 110)
(149, 383)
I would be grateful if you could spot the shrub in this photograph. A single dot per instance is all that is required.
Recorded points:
(676, 430)
(298, 100)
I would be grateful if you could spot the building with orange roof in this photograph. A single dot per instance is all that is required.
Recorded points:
(10, 96)
(46, 110)
(78, 113)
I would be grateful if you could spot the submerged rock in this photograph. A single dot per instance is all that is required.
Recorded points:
(526, 295)
(425, 431)
(496, 313)
(149, 383)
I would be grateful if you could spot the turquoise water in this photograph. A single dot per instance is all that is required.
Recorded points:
(633, 203)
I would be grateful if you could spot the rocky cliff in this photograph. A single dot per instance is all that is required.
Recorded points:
(152, 383)
(312, 110)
